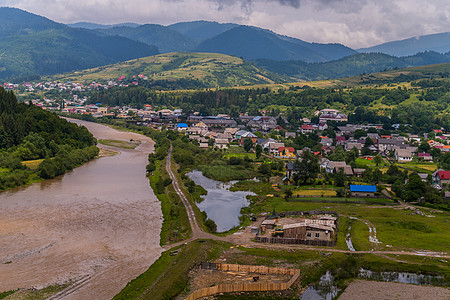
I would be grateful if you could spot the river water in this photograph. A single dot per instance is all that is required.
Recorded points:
(100, 220)
(220, 204)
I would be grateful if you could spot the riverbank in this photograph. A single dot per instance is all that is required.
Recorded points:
(97, 225)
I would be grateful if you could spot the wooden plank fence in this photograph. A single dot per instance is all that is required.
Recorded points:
(255, 269)
(292, 241)
(248, 287)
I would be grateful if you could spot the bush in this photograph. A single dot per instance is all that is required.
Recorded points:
(150, 167)
(211, 225)
(340, 193)
(167, 181)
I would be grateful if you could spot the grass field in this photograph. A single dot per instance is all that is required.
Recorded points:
(212, 69)
(32, 164)
(120, 144)
(227, 172)
(403, 229)
(241, 155)
(315, 193)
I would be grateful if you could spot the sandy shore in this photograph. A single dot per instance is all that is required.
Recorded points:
(374, 290)
(100, 221)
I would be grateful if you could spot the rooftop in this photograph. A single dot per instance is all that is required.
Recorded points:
(363, 188)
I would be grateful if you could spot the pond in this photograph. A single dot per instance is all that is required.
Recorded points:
(220, 204)
(324, 290)
(402, 277)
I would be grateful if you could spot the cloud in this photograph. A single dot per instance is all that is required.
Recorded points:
(355, 23)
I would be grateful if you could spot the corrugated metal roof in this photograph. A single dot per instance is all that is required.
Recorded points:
(363, 188)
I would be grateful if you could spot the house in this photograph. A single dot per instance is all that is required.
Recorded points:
(423, 176)
(221, 143)
(286, 152)
(182, 126)
(358, 172)
(269, 223)
(323, 126)
(388, 144)
(352, 144)
(441, 177)
(274, 148)
(290, 134)
(327, 150)
(266, 142)
(299, 153)
(334, 166)
(425, 157)
(289, 170)
(323, 162)
(231, 130)
(363, 190)
(325, 141)
(307, 128)
(338, 117)
(308, 231)
(403, 155)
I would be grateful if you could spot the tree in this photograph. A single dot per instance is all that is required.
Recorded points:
(424, 147)
(377, 175)
(287, 193)
(351, 155)
(378, 160)
(368, 142)
(210, 142)
(340, 178)
(248, 144)
(258, 151)
(306, 167)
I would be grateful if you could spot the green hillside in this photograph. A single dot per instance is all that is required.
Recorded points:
(361, 63)
(163, 37)
(31, 46)
(200, 69)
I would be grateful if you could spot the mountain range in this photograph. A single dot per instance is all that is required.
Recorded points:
(32, 45)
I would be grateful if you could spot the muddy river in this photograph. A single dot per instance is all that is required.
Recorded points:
(100, 221)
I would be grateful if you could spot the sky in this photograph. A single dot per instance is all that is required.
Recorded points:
(354, 23)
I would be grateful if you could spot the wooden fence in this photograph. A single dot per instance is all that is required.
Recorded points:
(247, 287)
(292, 241)
(255, 269)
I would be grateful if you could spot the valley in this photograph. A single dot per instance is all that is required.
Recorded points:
(159, 157)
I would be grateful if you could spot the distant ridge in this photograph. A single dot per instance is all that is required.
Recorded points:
(439, 42)
(353, 65)
(93, 26)
(163, 37)
(256, 43)
(202, 30)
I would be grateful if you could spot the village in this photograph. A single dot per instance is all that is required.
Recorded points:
(371, 145)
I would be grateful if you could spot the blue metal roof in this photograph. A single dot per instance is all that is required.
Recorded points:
(182, 125)
(363, 188)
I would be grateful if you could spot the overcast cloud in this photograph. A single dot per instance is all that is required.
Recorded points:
(354, 23)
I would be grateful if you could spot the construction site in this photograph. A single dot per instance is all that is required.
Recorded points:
(302, 227)
(213, 278)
